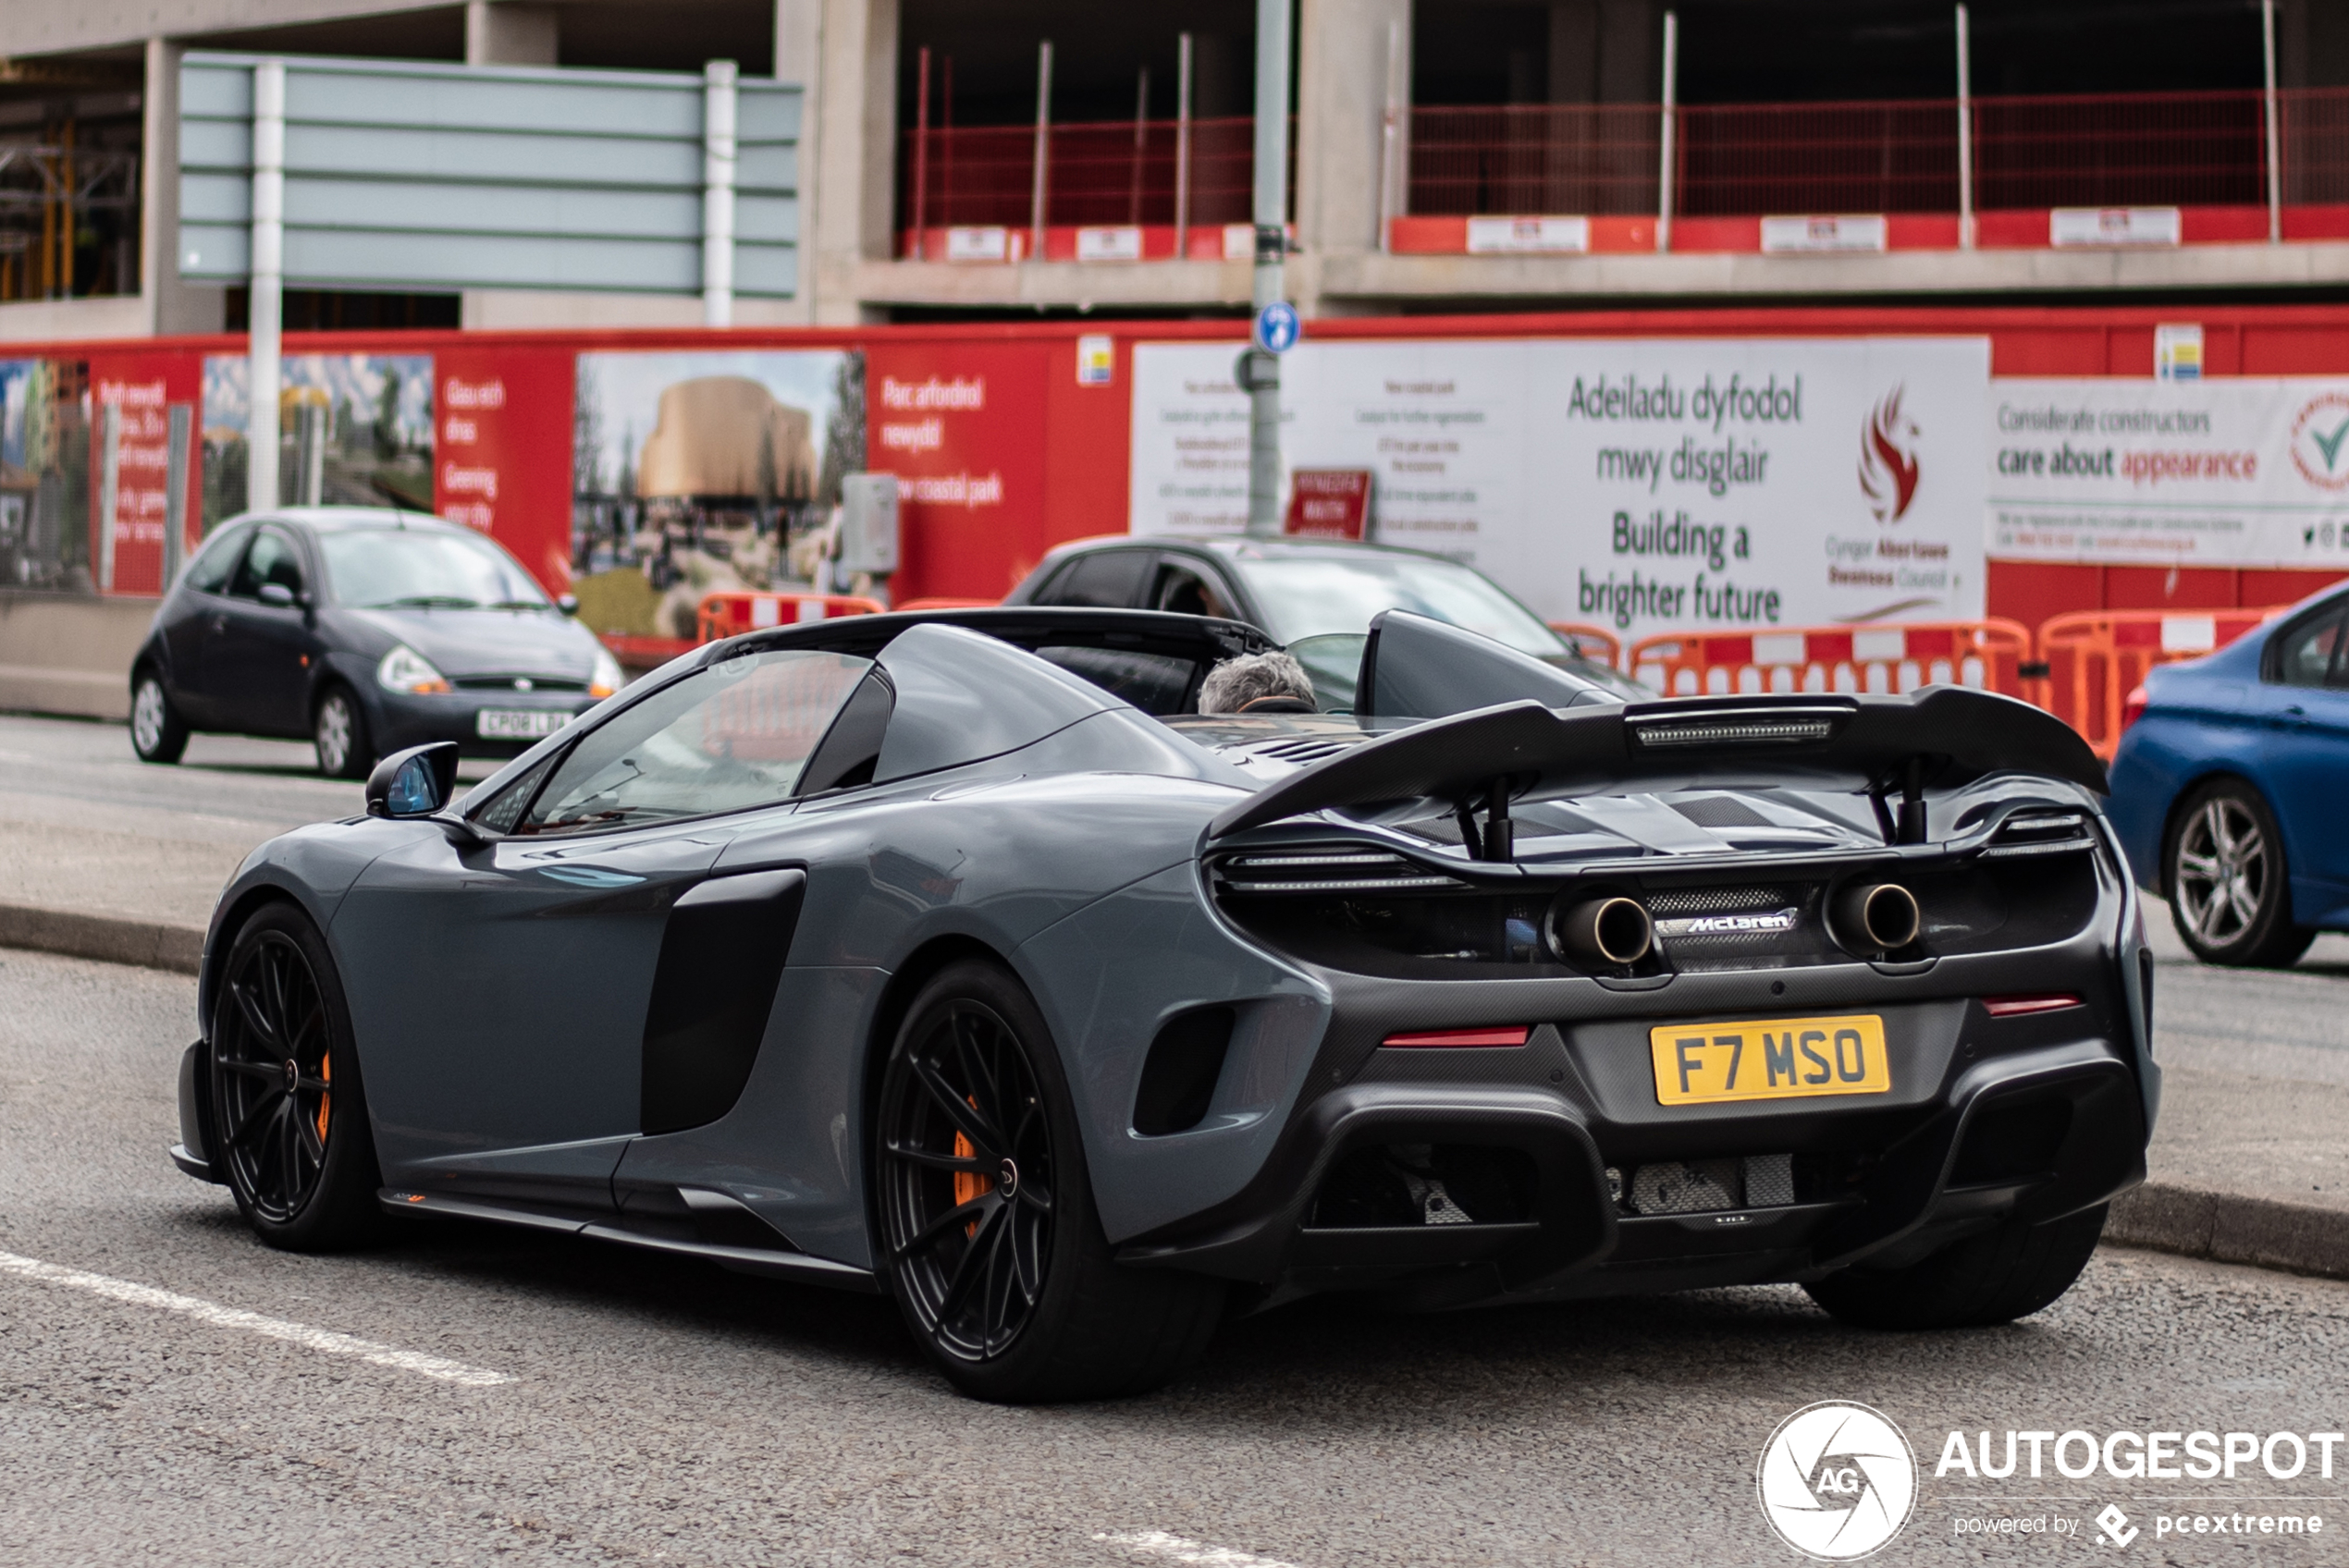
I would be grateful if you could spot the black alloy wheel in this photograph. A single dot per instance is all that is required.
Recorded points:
(289, 1115)
(2230, 896)
(985, 1215)
(969, 1181)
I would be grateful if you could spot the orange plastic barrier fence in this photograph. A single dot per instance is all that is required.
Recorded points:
(636, 651)
(1592, 642)
(1888, 657)
(2095, 658)
(730, 613)
(935, 604)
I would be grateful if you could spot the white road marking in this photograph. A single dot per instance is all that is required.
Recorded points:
(1199, 1554)
(324, 1340)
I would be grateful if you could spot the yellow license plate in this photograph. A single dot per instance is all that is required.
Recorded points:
(1779, 1058)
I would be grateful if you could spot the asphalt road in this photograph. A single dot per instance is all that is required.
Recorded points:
(612, 1407)
(170, 1390)
(89, 827)
(270, 785)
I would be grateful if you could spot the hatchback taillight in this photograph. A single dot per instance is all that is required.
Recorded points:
(2133, 706)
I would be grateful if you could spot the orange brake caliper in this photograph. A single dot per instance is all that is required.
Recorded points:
(327, 1072)
(968, 1184)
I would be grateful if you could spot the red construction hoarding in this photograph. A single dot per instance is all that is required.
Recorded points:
(591, 453)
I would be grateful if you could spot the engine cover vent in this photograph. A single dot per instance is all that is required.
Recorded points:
(1721, 810)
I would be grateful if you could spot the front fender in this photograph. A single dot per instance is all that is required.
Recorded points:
(312, 866)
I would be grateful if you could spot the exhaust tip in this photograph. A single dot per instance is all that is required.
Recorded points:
(1613, 931)
(1878, 916)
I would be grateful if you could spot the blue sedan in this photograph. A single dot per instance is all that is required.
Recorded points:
(2228, 789)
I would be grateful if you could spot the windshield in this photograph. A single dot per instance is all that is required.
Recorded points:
(1314, 595)
(392, 567)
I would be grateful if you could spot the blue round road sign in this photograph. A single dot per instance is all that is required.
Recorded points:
(1276, 327)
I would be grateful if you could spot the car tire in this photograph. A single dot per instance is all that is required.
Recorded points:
(290, 1135)
(988, 1233)
(1992, 1278)
(2230, 891)
(338, 734)
(157, 732)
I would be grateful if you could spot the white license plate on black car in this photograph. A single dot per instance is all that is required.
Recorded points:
(518, 724)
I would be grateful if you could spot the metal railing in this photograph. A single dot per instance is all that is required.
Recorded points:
(1596, 159)
(1865, 157)
(1098, 173)
(2139, 148)
(2315, 134)
(2111, 150)
(1733, 160)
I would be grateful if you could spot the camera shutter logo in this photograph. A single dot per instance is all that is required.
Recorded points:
(1836, 1481)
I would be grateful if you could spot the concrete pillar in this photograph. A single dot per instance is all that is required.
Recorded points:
(1604, 51)
(1630, 39)
(799, 43)
(1574, 51)
(853, 186)
(265, 366)
(719, 157)
(2323, 42)
(508, 32)
(171, 306)
(1341, 113)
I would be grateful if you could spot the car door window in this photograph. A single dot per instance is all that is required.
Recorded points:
(2309, 653)
(214, 562)
(272, 559)
(727, 738)
(1185, 591)
(1101, 580)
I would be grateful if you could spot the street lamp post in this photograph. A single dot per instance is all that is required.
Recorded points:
(1262, 368)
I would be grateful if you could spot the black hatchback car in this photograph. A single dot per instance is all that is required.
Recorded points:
(364, 630)
(1316, 595)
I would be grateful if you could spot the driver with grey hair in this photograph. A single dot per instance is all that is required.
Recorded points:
(1269, 682)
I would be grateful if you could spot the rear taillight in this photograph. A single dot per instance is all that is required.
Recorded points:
(2133, 706)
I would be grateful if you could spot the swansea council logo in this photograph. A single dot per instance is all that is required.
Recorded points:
(1836, 1481)
(1889, 466)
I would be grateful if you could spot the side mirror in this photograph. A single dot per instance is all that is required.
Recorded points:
(568, 604)
(416, 783)
(277, 595)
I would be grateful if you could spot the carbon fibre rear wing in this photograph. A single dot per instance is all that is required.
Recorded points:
(1939, 737)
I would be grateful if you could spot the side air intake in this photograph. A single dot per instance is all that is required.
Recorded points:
(1178, 1077)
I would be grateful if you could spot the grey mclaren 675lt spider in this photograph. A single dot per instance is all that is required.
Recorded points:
(959, 957)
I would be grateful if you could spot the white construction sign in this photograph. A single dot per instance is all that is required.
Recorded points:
(2234, 471)
(1647, 485)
